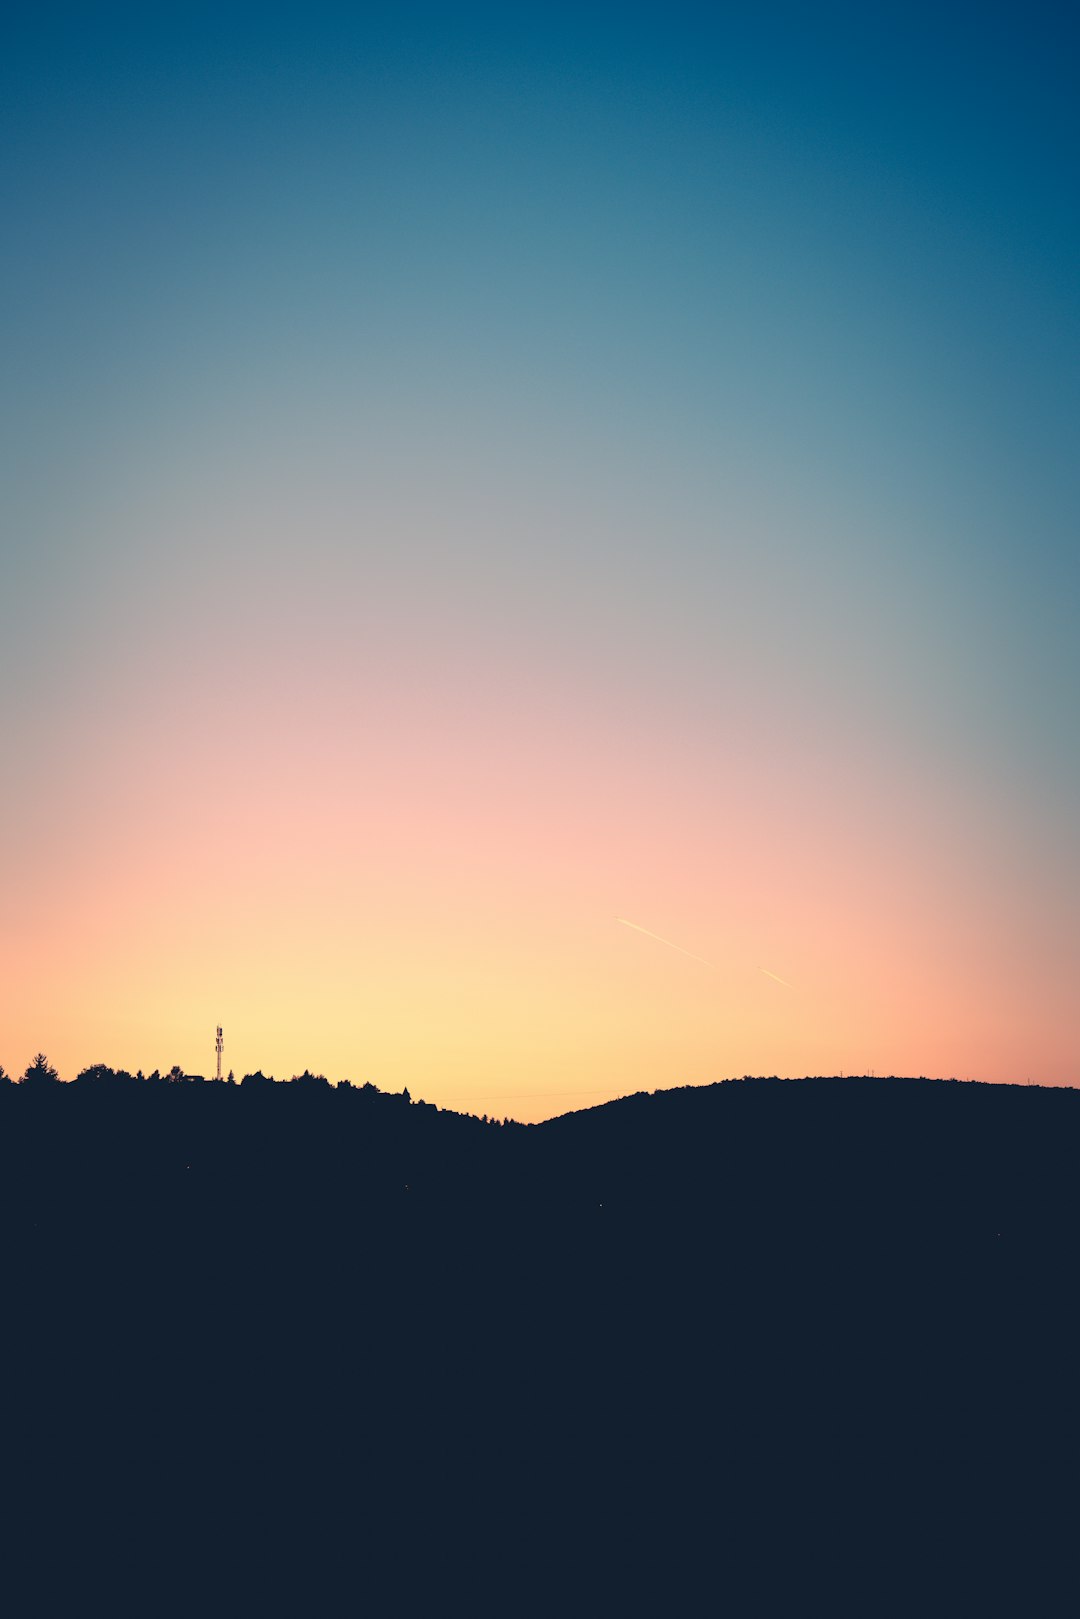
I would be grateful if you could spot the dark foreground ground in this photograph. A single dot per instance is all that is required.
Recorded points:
(764, 1347)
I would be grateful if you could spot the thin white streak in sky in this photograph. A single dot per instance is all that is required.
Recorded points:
(660, 940)
(774, 976)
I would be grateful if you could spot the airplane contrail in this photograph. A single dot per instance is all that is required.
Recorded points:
(661, 940)
(776, 976)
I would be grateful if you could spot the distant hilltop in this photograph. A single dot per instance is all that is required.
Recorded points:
(40, 1071)
(836, 1156)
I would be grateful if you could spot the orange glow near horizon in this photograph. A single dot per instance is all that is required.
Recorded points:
(431, 898)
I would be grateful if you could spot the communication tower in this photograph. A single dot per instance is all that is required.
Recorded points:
(218, 1045)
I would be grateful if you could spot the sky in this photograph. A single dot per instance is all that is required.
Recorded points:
(472, 481)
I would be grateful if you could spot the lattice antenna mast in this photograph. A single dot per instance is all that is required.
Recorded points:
(219, 1044)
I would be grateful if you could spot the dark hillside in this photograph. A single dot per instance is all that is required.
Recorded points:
(849, 1157)
(298, 1344)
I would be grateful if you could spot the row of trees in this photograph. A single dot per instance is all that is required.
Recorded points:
(41, 1075)
(41, 1072)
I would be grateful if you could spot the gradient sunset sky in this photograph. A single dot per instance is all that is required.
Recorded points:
(470, 475)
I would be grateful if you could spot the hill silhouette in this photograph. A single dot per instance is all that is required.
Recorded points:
(331, 1348)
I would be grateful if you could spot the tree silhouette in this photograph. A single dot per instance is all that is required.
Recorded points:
(310, 1081)
(99, 1073)
(5, 1077)
(40, 1072)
